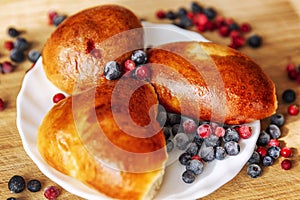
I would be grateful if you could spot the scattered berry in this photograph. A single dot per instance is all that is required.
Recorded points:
(129, 65)
(224, 31)
(277, 119)
(51, 192)
(34, 55)
(245, 27)
(219, 131)
(204, 131)
(267, 161)
(262, 151)
(254, 171)
(255, 41)
(17, 55)
(293, 109)
(231, 135)
(196, 7)
(210, 13)
(171, 15)
(170, 145)
(195, 166)
(192, 149)
(286, 164)
(255, 158)
(112, 70)
(58, 19)
(142, 73)
(274, 151)
(286, 152)
(220, 153)
(9, 45)
(51, 15)
(212, 141)
(188, 177)
(160, 14)
(21, 44)
(34, 185)
(139, 57)
(189, 126)
(16, 184)
(181, 141)
(6, 67)
(289, 96)
(58, 97)
(207, 154)
(184, 158)
(11, 198)
(173, 118)
(232, 148)
(274, 142)
(1, 104)
(12, 32)
(274, 131)
(244, 131)
(263, 138)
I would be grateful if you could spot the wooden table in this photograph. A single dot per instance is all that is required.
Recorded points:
(277, 21)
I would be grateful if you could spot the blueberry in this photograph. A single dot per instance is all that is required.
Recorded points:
(273, 131)
(192, 149)
(188, 177)
(267, 161)
(34, 185)
(277, 119)
(220, 153)
(289, 96)
(171, 15)
(184, 22)
(176, 128)
(274, 151)
(207, 154)
(58, 19)
(170, 145)
(21, 44)
(34, 55)
(196, 166)
(16, 184)
(231, 135)
(181, 141)
(254, 159)
(232, 148)
(17, 56)
(184, 158)
(11, 198)
(263, 138)
(196, 8)
(139, 57)
(254, 41)
(12, 32)
(234, 26)
(162, 118)
(254, 171)
(112, 70)
(167, 133)
(181, 12)
(173, 118)
(212, 141)
(198, 140)
(210, 13)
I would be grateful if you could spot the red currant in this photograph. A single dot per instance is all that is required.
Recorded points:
(1, 104)
(274, 142)
(160, 14)
(129, 65)
(224, 31)
(290, 67)
(286, 164)
(245, 27)
(293, 109)
(219, 131)
(262, 151)
(197, 157)
(58, 97)
(143, 73)
(286, 152)
(244, 131)
(189, 126)
(51, 193)
(204, 130)
(9, 45)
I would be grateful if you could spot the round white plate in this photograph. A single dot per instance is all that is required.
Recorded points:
(35, 100)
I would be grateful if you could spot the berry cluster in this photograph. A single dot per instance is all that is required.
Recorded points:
(55, 18)
(134, 67)
(207, 19)
(200, 142)
(17, 184)
(269, 148)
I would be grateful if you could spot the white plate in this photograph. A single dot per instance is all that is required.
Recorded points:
(35, 100)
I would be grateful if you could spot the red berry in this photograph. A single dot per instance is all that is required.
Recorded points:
(239, 41)
(190, 15)
(142, 73)
(201, 28)
(234, 33)
(1, 104)
(286, 164)
(189, 126)
(262, 151)
(219, 131)
(220, 21)
(160, 14)
(244, 131)
(298, 77)
(229, 21)
(286, 152)
(6, 67)
(211, 26)
(293, 109)
(245, 27)
(129, 65)
(200, 19)
(204, 131)
(197, 157)
(58, 97)
(51, 15)
(292, 74)
(224, 31)
(274, 142)
(290, 67)
(51, 192)
(9, 45)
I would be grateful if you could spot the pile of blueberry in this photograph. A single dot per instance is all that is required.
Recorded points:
(17, 184)
(268, 148)
(200, 141)
(134, 67)
(207, 19)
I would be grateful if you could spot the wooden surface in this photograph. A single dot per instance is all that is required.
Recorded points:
(276, 20)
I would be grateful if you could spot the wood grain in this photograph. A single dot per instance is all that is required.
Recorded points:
(277, 21)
